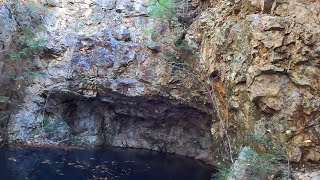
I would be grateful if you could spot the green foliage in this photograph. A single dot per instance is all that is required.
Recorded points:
(149, 32)
(172, 58)
(27, 31)
(30, 42)
(150, 43)
(19, 54)
(272, 148)
(38, 9)
(29, 74)
(50, 127)
(162, 9)
(261, 140)
(32, 45)
(36, 43)
(4, 99)
(182, 45)
(260, 165)
(165, 10)
(223, 173)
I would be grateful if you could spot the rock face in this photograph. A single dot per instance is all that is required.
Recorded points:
(104, 81)
(269, 64)
(101, 83)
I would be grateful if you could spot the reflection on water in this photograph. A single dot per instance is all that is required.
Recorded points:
(107, 163)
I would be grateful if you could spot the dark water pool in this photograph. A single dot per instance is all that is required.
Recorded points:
(107, 163)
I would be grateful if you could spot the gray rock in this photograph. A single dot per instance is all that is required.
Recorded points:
(54, 3)
(8, 28)
(315, 175)
(106, 4)
(241, 166)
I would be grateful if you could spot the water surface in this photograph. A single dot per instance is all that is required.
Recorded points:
(107, 163)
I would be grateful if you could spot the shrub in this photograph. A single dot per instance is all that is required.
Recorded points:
(30, 43)
(162, 9)
(253, 165)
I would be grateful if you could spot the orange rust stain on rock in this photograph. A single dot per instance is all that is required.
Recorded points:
(220, 94)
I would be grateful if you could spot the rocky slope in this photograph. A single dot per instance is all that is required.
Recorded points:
(106, 82)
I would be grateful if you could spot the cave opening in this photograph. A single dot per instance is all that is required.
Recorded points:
(154, 123)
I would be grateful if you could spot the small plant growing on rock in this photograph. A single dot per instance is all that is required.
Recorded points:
(223, 173)
(162, 9)
(30, 43)
(38, 9)
(181, 56)
(4, 99)
(260, 166)
(20, 63)
(253, 165)
(30, 46)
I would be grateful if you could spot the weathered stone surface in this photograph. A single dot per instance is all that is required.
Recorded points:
(241, 166)
(109, 4)
(105, 83)
(250, 165)
(269, 65)
(307, 175)
(101, 85)
(8, 26)
(7, 31)
(151, 123)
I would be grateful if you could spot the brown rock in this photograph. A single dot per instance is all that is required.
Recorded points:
(265, 86)
(295, 154)
(313, 154)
